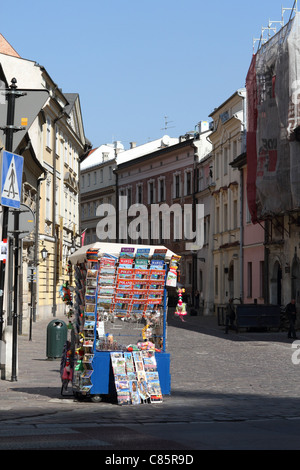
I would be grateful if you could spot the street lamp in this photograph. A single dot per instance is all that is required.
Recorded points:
(73, 247)
(44, 253)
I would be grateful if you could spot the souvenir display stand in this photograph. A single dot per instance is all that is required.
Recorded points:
(120, 322)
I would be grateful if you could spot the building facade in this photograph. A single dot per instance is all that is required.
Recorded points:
(52, 148)
(253, 279)
(163, 181)
(228, 140)
(97, 187)
(204, 261)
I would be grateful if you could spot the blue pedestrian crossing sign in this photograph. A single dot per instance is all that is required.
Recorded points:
(11, 179)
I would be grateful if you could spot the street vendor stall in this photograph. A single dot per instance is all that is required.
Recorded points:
(120, 322)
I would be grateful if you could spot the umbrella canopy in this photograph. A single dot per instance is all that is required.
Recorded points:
(113, 249)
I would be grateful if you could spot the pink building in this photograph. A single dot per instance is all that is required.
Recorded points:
(252, 247)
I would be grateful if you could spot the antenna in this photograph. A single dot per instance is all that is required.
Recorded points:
(166, 124)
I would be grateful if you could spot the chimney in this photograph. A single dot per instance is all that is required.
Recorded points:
(132, 145)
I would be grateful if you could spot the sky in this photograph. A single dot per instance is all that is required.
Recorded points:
(142, 69)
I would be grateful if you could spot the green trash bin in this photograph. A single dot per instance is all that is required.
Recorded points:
(57, 334)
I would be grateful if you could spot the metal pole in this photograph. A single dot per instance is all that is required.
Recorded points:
(11, 98)
(15, 314)
(31, 301)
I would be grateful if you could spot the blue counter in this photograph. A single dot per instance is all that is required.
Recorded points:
(103, 379)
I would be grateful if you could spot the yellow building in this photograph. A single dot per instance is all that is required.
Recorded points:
(52, 147)
(228, 140)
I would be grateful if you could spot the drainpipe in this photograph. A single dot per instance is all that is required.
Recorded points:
(241, 236)
(36, 239)
(242, 94)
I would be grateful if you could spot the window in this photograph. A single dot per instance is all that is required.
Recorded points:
(225, 161)
(188, 182)
(216, 281)
(66, 207)
(262, 279)
(161, 189)
(201, 280)
(95, 177)
(57, 140)
(129, 197)
(249, 279)
(234, 149)
(225, 217)
(177, 185)
(217, 165)
(48, 199)
(139, 193)
(235, 214)
(75, 157)
(66, 155)
(70, 154)
(101, 176)
(151, 192)
(48, 135)
(218, 220)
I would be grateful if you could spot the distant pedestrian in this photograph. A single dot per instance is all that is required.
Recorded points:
(230, 316)
(292, 315)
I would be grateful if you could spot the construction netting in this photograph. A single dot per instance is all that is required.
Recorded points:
(273, 115)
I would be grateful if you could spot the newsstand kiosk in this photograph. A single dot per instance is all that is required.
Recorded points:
(120, 321)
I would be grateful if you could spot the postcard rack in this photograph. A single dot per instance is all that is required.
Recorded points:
(120, 318)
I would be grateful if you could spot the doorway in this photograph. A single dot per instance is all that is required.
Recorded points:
(276, 284)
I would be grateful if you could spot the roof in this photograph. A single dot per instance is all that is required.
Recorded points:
(6, 48)
(155, 153)
(95, 157)
(238, 92)
(145, 149)
(71, 98)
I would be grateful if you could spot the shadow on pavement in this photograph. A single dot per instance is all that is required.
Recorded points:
(208, 325)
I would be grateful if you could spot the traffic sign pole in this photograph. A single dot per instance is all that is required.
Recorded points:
(10, 129)
(11, 97)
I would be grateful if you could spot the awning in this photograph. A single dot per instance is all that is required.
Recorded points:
(114, 249)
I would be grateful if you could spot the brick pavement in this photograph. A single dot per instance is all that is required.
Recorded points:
(214, 377)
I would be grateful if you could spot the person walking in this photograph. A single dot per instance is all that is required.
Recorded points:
(292, 316)
(230, 316)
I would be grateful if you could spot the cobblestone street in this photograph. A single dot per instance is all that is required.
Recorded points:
(237, 378)
(245, 375)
